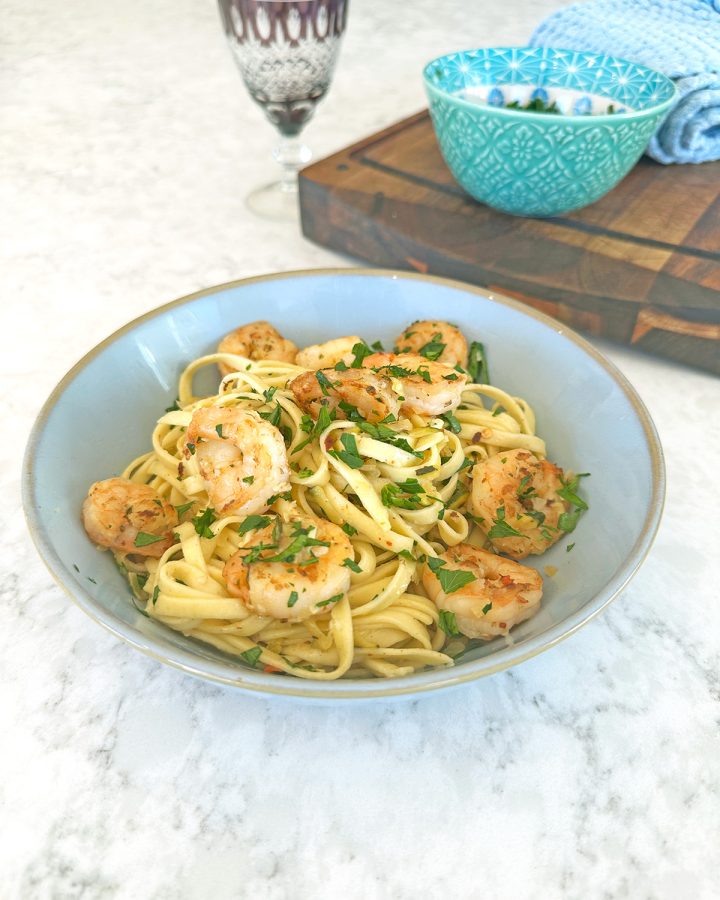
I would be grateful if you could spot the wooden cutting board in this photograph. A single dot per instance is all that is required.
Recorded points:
(641, 266)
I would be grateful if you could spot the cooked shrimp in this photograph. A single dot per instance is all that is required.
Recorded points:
(257, 340)
(442, 342)
(372, 395)
(323, 356)
(428, 388)
(501, 594)
(241, 458)
(276, 575)
(515, 493)
(128, 517)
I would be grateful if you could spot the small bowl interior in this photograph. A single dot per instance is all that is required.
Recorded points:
(580, 83)
(102, 414)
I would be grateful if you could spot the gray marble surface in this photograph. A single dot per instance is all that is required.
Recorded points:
(592, 771)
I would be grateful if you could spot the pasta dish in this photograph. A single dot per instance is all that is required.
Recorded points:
(340, 510)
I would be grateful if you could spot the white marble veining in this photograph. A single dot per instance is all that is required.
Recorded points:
(592, 771)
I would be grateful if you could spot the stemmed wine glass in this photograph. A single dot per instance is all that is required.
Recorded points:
(286, 52)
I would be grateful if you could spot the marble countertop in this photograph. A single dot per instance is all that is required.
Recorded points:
(591, 771)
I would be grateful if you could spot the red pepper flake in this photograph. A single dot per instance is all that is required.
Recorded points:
(181, 470)
(329, 440)
(506, 579)
(271, 669)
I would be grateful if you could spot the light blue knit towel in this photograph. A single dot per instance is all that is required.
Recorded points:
(680, 38)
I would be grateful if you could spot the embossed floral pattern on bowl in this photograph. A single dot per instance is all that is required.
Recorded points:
(532, 163)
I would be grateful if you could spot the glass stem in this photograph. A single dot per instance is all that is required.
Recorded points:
(292, 155)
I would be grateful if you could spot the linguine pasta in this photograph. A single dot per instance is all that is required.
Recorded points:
(407, 500)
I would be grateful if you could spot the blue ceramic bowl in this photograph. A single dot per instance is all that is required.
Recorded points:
(103, 411)
(534, 163)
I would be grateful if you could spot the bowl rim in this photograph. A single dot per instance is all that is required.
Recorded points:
(570, 117)
(268, 683)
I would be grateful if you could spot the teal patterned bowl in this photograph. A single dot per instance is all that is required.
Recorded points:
(536, 163)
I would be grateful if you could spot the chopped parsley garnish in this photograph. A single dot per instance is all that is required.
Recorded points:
(273, 417)
(340, 366)
(386, 435)
(433, 349)
(448, 623)
(501, 528)
(300, 540)
(305, 473)
(349, 455)
(248, 479)
(377, 345)
(252, 656)
(396, 371)
(269, 394)
(348, 529)
(293, 598)
(525, 489)
(569, 547)
(452, 423)
(411, 486)
(568, 521)
(142, 539)
(172, 408)
(91, 579)
(202, 522)
(425, 470)
(359, 351)
(253, 522)
(568, 491)
(315, 429)
(452, 377)
(183, 508)
(393, 495)
(286, 496)
(477, 364)
(155, 594)
(218, 428)
(451, 580)
(351, 564)
(352, 412)
(75, 567)
(486, 609)
(331, 600)
(537, 104)
(498, 410)
(406, 554)
(325, 384)
(191, 448)
(460, 491)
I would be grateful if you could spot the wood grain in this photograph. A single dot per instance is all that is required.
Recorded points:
(642, 265)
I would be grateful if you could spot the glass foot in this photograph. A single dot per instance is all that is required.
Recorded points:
(277, 201)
